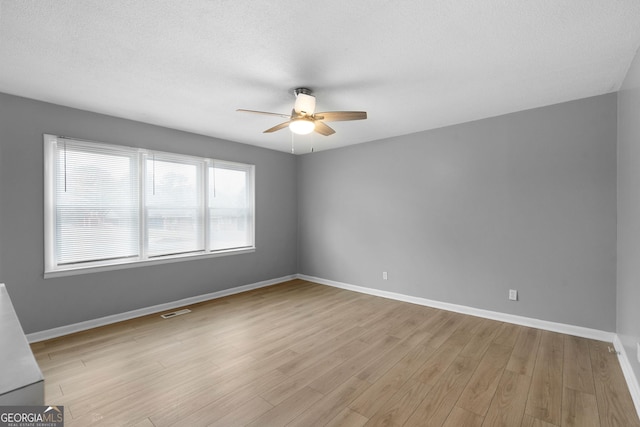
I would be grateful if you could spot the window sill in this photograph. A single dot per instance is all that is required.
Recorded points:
(144, 263)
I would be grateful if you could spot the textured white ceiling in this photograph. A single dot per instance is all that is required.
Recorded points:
(412, 65)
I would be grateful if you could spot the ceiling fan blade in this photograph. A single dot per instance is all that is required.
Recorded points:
(277, 127)
(323, 129)
(335, 116)
(286, 116)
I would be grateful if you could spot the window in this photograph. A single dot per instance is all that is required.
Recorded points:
(173, 205)
(230, 220)
(109, 205)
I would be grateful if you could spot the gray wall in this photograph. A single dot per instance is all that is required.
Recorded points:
(44, 304)
(461, 214)
(629, 214)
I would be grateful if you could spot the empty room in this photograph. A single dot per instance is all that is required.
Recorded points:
(338, 213)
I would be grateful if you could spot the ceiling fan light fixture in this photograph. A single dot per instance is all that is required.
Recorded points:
(302, 126)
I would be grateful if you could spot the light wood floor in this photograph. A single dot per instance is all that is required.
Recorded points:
(302, 354)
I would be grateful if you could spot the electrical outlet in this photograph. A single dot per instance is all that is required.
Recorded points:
(513, 295)
(384, 275)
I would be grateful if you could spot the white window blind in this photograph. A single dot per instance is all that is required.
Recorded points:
(230, 206)
(174, 205)
(109, 205)
(96, 210)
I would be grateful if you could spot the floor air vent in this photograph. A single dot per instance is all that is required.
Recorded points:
(175, 313)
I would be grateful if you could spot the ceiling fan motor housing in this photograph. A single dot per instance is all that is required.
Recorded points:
(305, 102)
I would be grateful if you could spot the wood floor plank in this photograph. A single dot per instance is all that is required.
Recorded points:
(444, 325)
(243, 414)
(184, 392)
(348, 341)
(416, 317)
(481, 388)
(286, 411)
(198, 411)
(438, 403)
(523, 357)
(352, 366)
(99, 398)
(529, 421)
(577, 372)
(396, 410)
(332, 404)
(509, 401)
(373, 371)
(406, 400)
(615, 406)
(143, 423)
(53, 392)
(177, 392)
(109, 376)
(481, 338)
(462, 418)
(304, 354)
(382, 390)
(444, 355)
(301, 379)
(293, 383)
(545, 395)
(347, 418)
(579, 409)
(60, 371)
(507, 334)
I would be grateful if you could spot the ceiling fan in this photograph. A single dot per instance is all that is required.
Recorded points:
(304, 119)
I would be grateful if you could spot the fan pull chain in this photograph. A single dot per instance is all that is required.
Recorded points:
(293, 151)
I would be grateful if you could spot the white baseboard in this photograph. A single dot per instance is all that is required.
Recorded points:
(107, 320)
(632, 381)
(578, 331)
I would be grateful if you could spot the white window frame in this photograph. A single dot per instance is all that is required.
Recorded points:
(52, 270)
